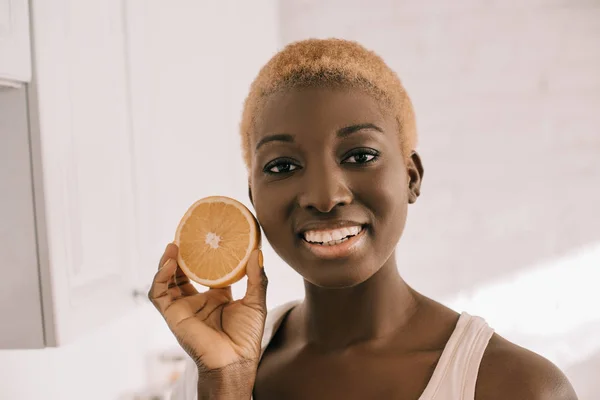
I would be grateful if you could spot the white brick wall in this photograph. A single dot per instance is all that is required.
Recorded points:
(507, 97)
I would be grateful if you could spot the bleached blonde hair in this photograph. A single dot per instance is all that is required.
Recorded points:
(325, 63)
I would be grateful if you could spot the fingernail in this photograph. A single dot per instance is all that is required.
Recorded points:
(167, 262)
(260, 259)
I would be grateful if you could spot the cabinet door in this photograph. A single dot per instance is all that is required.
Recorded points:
(80, 108)
(15, 55)
(183, 126)
(187, 92)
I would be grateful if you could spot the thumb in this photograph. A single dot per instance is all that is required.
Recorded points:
(256, 291)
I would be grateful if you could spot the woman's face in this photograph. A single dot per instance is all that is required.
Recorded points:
(329, 183)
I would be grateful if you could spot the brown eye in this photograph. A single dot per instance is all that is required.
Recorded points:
(362, 156)
(280, 167)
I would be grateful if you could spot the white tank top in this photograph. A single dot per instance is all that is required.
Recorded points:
(454, 377)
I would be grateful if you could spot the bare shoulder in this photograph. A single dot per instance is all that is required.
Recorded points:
(509, 371)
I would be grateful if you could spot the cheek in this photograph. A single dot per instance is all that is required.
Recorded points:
(393, 204)
(270, 207)
(389, 185)
(388, 199)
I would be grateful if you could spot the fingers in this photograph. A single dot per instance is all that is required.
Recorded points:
(256, 291)
(181, 285)
(171, 284)
(162, 284)
(223, 293)
(170, 252)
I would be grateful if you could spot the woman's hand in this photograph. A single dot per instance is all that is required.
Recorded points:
(221, 335)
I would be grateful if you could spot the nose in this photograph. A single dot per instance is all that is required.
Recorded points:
(324, 190)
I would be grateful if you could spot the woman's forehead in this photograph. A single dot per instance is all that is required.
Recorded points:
(318, 108)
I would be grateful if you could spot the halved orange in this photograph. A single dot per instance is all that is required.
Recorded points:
(215, 238)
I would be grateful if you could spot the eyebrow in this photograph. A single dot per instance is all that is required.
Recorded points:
(343, 132)
(279, 137)
(359, 127)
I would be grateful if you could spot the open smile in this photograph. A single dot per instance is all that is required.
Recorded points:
(334, 243)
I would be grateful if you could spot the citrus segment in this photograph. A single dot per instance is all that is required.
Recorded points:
(215, 238)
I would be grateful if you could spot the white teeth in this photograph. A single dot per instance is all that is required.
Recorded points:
(334, 242)
(354, 230)
(331, 237)
(337, 235)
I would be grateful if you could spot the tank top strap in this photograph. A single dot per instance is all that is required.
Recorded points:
(455, 376)
(274, 319)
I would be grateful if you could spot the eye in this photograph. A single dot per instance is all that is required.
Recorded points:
(280, 166)
(361, 156)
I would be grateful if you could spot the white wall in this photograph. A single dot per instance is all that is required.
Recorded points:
(190, 66)
(507, 97)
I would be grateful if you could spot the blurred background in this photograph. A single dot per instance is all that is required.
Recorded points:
(116, 115)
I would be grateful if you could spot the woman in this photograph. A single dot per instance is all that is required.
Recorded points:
(329, 139)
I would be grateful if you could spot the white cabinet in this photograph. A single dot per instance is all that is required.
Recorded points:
(131, 115)
(191, 65)
(81, 89)
(15, 54)
(82, 170)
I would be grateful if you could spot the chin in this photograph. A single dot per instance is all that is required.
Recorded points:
(336, 277)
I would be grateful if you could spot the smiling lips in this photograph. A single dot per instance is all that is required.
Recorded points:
(331, 237)
(334, 243)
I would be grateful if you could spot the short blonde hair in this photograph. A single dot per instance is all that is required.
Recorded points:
(329, 62)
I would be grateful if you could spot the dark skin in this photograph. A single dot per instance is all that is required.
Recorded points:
(362, 331)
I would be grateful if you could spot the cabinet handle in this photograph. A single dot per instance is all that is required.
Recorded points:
(141, 293)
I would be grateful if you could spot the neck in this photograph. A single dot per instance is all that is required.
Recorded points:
(337, 318)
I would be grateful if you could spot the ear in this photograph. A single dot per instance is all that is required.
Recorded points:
(415, 171)
(250, 194)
